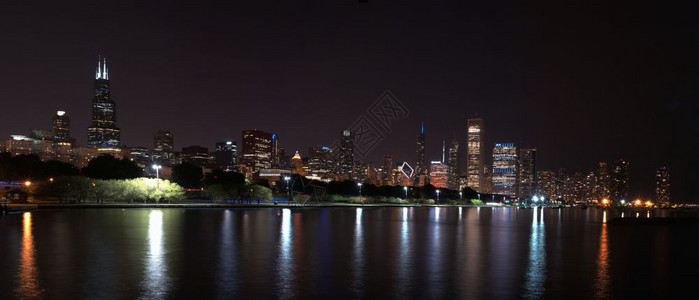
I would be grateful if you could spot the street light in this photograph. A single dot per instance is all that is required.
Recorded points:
(437, 197)
(157, 168)
(461, 195)
(359, 184)
(286, 178)
(405, 188)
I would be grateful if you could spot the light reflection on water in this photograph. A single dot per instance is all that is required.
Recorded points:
(286, 263)
(156, 283)
(536, 269)
(601, 285)
(358, 255)
(28, 277)
(227, 281)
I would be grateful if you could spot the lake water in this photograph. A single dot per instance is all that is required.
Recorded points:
(370, 252)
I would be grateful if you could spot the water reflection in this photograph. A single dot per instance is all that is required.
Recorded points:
(156, 283)
(28, 277)
(358, 254)
(227, 253)
(285, 264)
(602, 280)
(404, 254)
(536, 269)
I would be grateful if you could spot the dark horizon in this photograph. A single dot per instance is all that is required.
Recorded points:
(580, 82)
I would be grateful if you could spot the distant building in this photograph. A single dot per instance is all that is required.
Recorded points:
(103, 133)
(61, 127)
(81, 156)
(320, 162)
(19, 145)
(297, 165)
(505, 169)
(163, 147)
(619, 181)
(346, 155)
(141, 157)
(602, 181)
(527, 173)
(546, 181)
(420, 166)
(662, 186)
(438, 174)
(453, 164)
(386, 170)
(256, 152)
(474, 154)
(226, 156)
(196, 155)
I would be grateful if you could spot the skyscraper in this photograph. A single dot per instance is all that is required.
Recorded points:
(320, 161)
(103, 133)
(420, 167)
(438, 174)
(346, 155)
(226, 156)
(662, 186)
(619, 181)
(505, 169)
(196, 155)
(474, 160)
(386, 169)
(601, 188)
(256, 152)
(527, 173)
(163, 147)
(61, 127)
(453, 163)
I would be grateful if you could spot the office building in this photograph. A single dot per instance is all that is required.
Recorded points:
(103, 133)
(226, 156)
(662, 186)
(474, 154)
(527, 174)
(256, 152)
(505, 169)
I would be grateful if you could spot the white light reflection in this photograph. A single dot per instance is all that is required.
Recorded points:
(404, 253)
(285, 265)
(536, 270)
(228, 253)
(156, 283)
(358, 255)
(436, 213)
(459, 213)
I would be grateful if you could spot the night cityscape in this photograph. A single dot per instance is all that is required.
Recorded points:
(353, 149)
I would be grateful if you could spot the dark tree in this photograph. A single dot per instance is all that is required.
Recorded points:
(187, 175)
(109, 167)
(218, 176)
(54, 168)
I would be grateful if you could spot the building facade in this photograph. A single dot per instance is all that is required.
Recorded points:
(453, 163)
(346, 155)
(439, 172)
(662, 186)
(505, 169)
(163, 147)
(226, 156)
(619, 181)
(256, 152)
(527, 180)
(474, 154)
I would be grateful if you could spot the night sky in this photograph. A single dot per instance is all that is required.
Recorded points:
(581, 81)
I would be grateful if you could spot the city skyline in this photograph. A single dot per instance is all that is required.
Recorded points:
(256, 87)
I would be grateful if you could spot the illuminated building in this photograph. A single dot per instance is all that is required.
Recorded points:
(346, 155)
(163, 147)
(505, 169)
(662, 186)
(527, 173)
(196, 155)
(61, 127)
(226, 156)
(81, 156)
(103, 133)
(297, 165)
(619, 181)
(386, 168)
(420, 167)
(602, 181)
(438, 174)
(256, 152)
(546, 181)
(320, 161)
(453, 164)
(277, 152)
(19, 144)
(141, 157)
(474, 154)
(371, 176)
(360, 171)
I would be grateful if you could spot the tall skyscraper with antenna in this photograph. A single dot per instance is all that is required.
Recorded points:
(420, 166)
(103, 133)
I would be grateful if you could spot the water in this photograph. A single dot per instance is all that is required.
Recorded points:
(390, 253)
